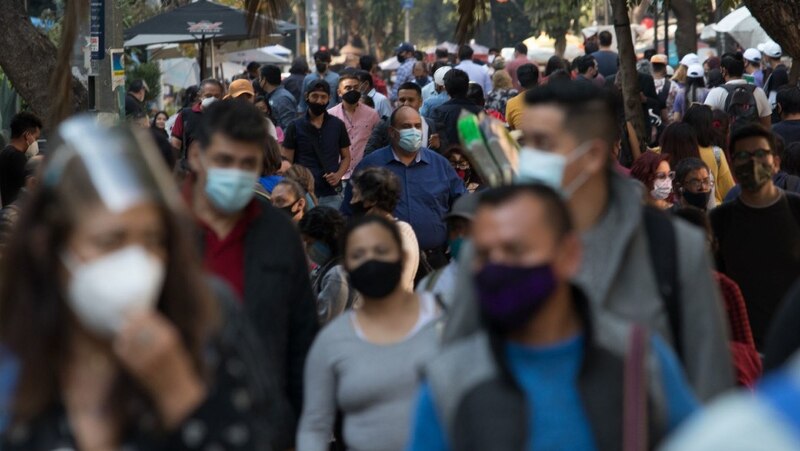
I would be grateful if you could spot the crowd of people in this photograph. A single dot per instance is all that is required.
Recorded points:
(315, 262)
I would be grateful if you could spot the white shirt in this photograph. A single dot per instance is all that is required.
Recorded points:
(477, 73)
(716, 98)
(382, 105)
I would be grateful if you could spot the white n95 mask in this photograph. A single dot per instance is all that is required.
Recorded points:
(104, 291)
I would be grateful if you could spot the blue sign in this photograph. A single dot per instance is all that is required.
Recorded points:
(407, 4)
(97, 29)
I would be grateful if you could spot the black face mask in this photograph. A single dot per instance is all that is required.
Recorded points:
(376, 279)
(351, 97)
(697, 200)
(358, 209)
(401, 59)
(322, 67)
(289, 209)
(317, 108)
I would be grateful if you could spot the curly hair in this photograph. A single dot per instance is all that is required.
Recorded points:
(645, 167)
(379, 187)
(324, 224)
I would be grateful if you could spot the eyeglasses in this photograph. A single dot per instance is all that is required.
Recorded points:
(744, 155)
(699, 184)
(665, 175)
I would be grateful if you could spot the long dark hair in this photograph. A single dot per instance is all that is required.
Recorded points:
(36, 323)
(700, 118)
(680, 142)
(692, 85)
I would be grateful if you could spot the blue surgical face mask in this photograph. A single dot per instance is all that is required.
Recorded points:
(410, 139)
(230, 190)
(548, 168)
(455, 246)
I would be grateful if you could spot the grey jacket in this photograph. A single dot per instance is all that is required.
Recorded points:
(617, 275)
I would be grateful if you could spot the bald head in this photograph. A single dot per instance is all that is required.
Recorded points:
(405, 117)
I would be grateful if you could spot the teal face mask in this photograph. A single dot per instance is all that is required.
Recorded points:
(230, 190)
(320, 253)
(455, 246)
(410, 139)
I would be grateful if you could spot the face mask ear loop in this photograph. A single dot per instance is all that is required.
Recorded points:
(576, 154)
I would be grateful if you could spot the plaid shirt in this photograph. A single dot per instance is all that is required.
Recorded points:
(404, 73)
(735, 308)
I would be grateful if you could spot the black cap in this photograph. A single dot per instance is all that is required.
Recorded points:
(319, 86)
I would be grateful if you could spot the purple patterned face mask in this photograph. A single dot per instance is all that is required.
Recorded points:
(509, 296)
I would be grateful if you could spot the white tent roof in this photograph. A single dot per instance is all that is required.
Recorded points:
(390, 64)
(180, 72)
(743, 27)
(260, 55)
(279, 50)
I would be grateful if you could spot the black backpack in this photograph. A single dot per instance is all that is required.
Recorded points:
(741, 104)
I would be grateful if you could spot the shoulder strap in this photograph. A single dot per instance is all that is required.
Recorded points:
(433, 278)
(635, 425)
(661, 241)
(664, 94)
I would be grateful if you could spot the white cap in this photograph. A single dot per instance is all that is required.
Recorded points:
(771, 49)
(438, 76)
(752, 55)
(695, 71)
(689, 59)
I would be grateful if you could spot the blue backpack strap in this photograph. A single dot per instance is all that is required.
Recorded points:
(9, 375)
(781, 392)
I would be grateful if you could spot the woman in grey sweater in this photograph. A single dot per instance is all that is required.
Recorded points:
(365, 363)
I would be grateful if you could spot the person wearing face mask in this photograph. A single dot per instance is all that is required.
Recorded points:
(358, 119)
(459, 162)
(322, 231)
(376, 191)
(282, 103)
(25, 130)
(445, 116)
(652, 169)
(405, 73)
(364, 364)
(431, 184)
(693, 184)
(186, 126)
(290, 197)
(107, 337)
(536, 349)
(381, 103)
(322, 62)
(759, 232)
(320, 142)
(409, 94)
(9, 215)
(247, 242)
(459, 223)
(569, 131)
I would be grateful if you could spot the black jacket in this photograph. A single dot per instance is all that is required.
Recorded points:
(278, 299)
(445, 116)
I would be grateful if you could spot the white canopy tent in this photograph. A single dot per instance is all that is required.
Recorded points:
(260, 55)
(743, 27)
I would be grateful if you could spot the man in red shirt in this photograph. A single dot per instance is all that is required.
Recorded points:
(250, 244)
(188, 120)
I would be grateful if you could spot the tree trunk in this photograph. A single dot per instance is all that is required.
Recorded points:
(629, 78)
(779, 19)
(560, 45)
(686, 34)
(29, 58)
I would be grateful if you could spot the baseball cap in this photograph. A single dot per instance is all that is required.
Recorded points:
(771, 49)
(658, 58)
(752, 55)
(404, 47)
(695, 71)
(464, 207)
(319, 86)
(438, 76)
(239, 87)
(689, 59)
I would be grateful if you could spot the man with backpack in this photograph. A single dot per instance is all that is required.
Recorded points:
(636, 263)
(744, 103)
(665, 88)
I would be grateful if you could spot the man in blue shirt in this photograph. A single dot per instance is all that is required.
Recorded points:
(429, 184)
(439, 95)
(281, 102)
(539, 372)
(477, 73)
(322, 60)
(405, 73)
(319, 142)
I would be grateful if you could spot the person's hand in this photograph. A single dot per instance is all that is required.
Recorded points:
(332, 178)
(433, 141)
(150, 349)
